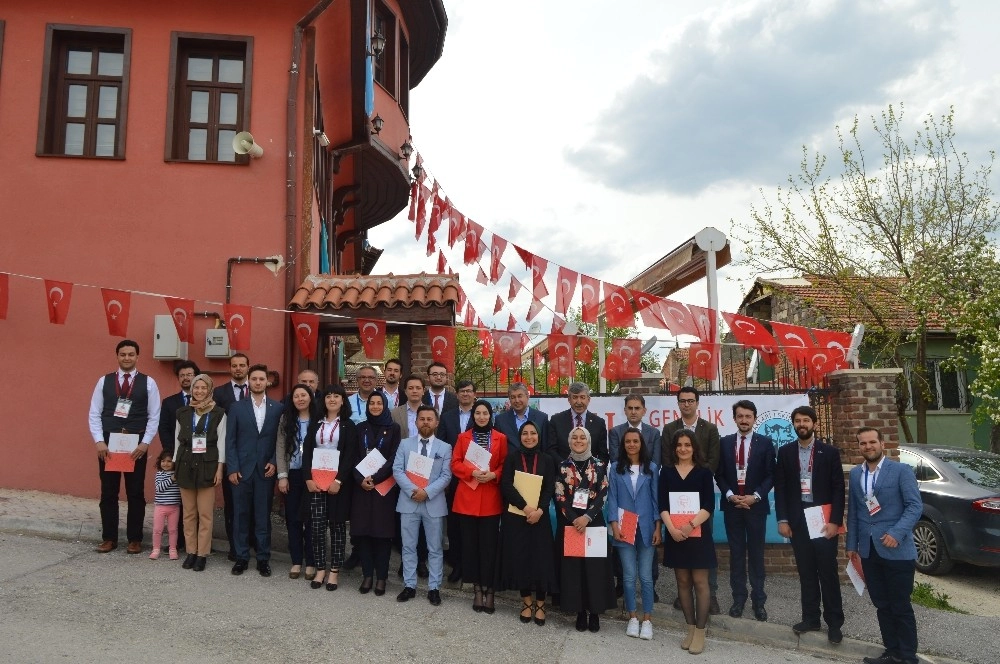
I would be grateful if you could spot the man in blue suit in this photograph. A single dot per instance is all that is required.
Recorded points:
(425, 507)
(251, 436)
(883, 506)
(745, 476)
(509, 422)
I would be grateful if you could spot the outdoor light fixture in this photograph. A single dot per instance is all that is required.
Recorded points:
(418, 171)
(377, 44)
(377, 124)
(405, 150)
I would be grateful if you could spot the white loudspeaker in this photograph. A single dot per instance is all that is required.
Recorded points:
(243, 144)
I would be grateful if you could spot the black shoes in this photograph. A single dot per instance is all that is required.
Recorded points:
(884, 658)
(434, 597)
(713, 607)
(199, 563)
(189, 561)
(594, 623)
(240, 567)
(406, 594)
(760, 613)
(366, 585)
(581, 621)
(380, 587)
(803, 627)
(264, 568)
(736, 611)
(835, 635)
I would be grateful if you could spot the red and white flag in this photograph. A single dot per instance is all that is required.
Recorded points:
(497, 246)
(472, 233)
(837, 343)
(372, 334)
(565, 287)
(456, 224)
(538, 267)
(506, 350)
(57, 296)
(679, 319)
(630, 353)
(442, 338)
(561, 352)
(703, 361)
(116, 308)
(515, 288)
(485, 342)
(481, 276)
(585, 349)
(238, 318)
(442, 265)
(590, 290)
(795, 341)
(182, 313)
(497, 306)
(612, 368)
(306, 328)
(534, 309)
(617, 308)
(751, 333)
(649, 308)
(511, 323)
(425, 193)
(707, 322)
(525, 255)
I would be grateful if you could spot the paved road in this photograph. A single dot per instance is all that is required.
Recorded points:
(60, 601)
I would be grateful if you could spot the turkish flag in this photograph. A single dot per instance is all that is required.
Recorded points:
(425, 193)
(456, 224)
(703, 361)
(612, 367)
(558, 323)
(506, 350)
(617, 308)
(497, 306)
(538, 267)
(436, 206)
(497, 246)
(462, 298)
(431, 243)
(751, 333)
(629, 351)
(649, 308)
(182, 312)
(565, 287)
(795, 341)
(534, 309)
(442, 264)
(414, 195)
(585, 349)
(58, 295)
(4, 294)
(481, 276)
(237, 318)
(482, 249)
(515, 287)
(838, 343)
(561, 351)
(511, 323)
(472, 233)
(707, 322)
(470, 315)
(525, 255)
(372, 333)
(485, 342)
(679, 320)
(590, 289)
(818, 363)
(306, 328)
(442, 339)
(116, 308)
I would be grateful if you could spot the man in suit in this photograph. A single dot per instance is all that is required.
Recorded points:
(423, 507)
(367, 382)
(883, 506)
(225, 396)
(809, 474)
(251, 437)
(392, 371)
(405, 415)
(453, 423)
(185, 372)
(509, 422)
(706, 436)
(745, 476)
(560, 424)
(123, 401)
(438, 394)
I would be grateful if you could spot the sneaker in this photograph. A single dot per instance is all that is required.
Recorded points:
(154, 554)
(633, 628)
(173, 554)
(647, 631)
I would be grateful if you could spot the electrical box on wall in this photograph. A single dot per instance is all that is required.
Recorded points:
(166, 344)
(216, 343)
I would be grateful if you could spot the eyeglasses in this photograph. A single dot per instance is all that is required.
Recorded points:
(687, 401)
(437, 374)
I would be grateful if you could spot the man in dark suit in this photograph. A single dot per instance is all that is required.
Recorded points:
(745, 476)
(706, 436)
(438, 394)
(509, 422)
(225, 396)
(453, 423)
(185, 372)
(560, 424)
(251, 437)
(809, 474)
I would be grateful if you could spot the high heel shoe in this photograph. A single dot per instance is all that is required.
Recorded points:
(310, 573)
(528, 606)
(488, 606)
(331, 580)
(380, 587)
(295, 572)
(477, 601)
(317, 582)
(366, 585)
(540, 608)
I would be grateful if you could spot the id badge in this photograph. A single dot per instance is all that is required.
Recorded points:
(123, 407)
(873, 507)
(807, 486)
(741, 476)
(199, 444)
(580, 499)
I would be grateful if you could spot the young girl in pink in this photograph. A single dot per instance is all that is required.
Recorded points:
(168, 505)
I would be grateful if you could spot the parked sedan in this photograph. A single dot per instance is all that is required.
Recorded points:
(961, 493)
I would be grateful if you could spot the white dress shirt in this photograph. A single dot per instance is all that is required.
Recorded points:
(152, 408)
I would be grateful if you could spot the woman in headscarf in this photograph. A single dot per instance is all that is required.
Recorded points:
(198, 458)
(291, 437)
(373, 515)
(581, 488)
(478, 502)
(527, 563)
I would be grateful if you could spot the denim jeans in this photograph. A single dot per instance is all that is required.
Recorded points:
(637, 559)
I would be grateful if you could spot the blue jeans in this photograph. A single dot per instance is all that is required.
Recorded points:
(637, 559)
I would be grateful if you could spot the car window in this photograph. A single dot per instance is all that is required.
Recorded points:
(926, 473)
(920, 468)
(982, 471)
(909, 458)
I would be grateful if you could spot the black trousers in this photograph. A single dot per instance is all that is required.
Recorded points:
(374, 553)
(111, 482)
(745, 530)
(480, 535)
(453, 556)
(816, 561)
(227, 513)
(890, 583)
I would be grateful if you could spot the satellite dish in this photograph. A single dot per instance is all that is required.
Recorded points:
(648, 346)
(534, 328)
(570, 328)
(752, 369)
(856, 338)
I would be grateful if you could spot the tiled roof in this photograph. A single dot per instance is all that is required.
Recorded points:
(356, 291)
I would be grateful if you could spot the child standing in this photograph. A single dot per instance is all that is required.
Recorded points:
(167, 508)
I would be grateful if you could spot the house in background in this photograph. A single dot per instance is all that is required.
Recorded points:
(118, 120)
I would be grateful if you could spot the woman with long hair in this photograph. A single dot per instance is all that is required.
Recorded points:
(478, 503)
(688, 551)
(292, 432)
(331, 429)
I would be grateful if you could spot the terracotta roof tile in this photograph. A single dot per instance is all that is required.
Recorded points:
(356, 292)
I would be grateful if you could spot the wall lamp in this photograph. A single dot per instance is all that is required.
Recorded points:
(377, 44)
(377, 124)
(418, 171)
(405, 150)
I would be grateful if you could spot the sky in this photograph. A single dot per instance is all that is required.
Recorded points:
(601, 135)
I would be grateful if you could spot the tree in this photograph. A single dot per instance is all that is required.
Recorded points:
(880, 231)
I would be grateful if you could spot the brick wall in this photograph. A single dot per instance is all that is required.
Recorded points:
(864, 397)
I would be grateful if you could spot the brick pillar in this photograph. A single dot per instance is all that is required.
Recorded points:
(648, 384)
(420, 350)
(864, 397)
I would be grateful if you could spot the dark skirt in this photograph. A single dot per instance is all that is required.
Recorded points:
(587, 584)
(526, 554)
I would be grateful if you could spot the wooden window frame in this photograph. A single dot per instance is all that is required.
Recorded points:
(385, 63)
(178, 124)
(404, 75)
(59, 37)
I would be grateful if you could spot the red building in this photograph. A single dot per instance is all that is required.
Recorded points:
(119, 171)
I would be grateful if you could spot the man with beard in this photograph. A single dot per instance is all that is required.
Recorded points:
(809, 474)
(367, 382)
(884, 505)
(225, 396)
(392, 372)
(438, 394)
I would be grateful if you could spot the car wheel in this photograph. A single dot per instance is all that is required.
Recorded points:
(932, 552)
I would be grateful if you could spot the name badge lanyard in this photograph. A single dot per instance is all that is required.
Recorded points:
(534, 467)
(300, 436)
(378, 445)
(810, 466)
(870, 491)
(195, 421)
(333, 432)
(118, 389)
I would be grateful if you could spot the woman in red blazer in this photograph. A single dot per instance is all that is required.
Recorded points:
(478, 503)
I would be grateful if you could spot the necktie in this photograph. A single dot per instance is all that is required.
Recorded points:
(437, 403)
(243, 393)
(126, 384)
(187, 399)
(741, 461)
(579, 420)
(423, 446)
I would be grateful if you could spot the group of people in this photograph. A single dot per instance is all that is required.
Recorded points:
(412, 461)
